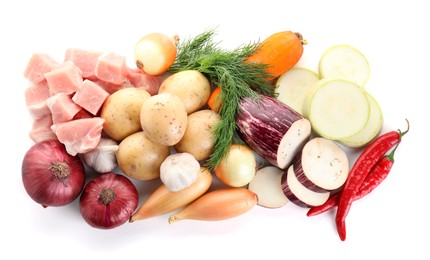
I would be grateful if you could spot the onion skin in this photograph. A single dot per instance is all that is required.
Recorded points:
(155, 52)
(238, 167)
(50, 175)
(117, 206)
(218, 205)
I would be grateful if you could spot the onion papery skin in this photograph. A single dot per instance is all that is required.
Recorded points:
(118, 210)
(42, 183)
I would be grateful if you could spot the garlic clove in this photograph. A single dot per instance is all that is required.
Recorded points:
(102, 159)
(178, 171)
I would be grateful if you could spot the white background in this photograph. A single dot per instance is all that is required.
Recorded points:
(390, 222)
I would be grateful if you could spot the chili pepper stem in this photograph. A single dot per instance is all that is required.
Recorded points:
(406, 131)
(390, 156)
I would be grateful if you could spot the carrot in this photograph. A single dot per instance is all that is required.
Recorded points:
(214, 101)
(280, 51)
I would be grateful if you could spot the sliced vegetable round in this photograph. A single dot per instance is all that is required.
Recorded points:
(345, 62)
(337, 108)
(322, 165)
(372, 128)
(298, 194)
(266, 184)
(293, 86)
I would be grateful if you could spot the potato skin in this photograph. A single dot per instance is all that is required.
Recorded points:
(140, 158)
(121, 112)
(164, 119)
(191, 86)
(199, 139)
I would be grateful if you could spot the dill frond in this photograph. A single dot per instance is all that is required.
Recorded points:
(236, 78)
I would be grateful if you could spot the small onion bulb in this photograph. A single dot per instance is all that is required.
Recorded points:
(154, 53)
(238, 167)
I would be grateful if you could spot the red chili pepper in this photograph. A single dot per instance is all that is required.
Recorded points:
(379, 172)
(360, 170)
(326, 206)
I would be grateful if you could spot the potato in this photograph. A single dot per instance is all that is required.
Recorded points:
(121, 112)
(199, 139)
(164, 119)
(140, 158)
(191, 86)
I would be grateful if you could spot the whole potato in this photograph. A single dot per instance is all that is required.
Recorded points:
(164, 119)
(121, 112)
(199, 139)
(191, 86)
(140, 158)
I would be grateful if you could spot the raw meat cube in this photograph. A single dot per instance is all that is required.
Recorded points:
(82, 114)
(41, 129)
(80, 135)
(38, 65)
(62, 108)
(90, 96)
(86, 60)
(111, 68)
(150, 83)
(66, 78)
(35, 99)
(112, 88)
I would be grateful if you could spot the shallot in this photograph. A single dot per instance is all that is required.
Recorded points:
(163, 200)
(218, 205)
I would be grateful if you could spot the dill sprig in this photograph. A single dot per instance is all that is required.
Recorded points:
(228, 70)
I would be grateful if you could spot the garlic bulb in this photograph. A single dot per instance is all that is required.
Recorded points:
(102, 158)
(178, 171)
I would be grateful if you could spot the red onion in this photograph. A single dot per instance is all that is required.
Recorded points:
(108, 201)
(51, 176)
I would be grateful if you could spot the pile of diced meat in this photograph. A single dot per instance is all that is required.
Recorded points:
(64, 99)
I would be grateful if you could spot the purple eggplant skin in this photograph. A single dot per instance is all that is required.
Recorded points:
(262, 123)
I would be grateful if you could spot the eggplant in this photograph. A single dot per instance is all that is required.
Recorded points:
(320, 169)
(272, 129)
